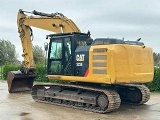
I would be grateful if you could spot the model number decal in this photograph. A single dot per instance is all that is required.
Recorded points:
(79, 64)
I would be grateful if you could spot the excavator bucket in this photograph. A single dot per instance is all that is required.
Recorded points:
(18, 82)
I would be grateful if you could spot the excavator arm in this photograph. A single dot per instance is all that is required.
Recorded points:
(56, 22)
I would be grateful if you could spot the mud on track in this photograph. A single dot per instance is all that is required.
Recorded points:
(20, 106)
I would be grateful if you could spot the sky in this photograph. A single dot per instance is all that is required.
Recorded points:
(128, 19)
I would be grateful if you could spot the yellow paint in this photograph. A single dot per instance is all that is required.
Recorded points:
(124, 64)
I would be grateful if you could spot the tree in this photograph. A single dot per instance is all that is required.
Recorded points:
(7, 52)
(156, 57)
(38, 54)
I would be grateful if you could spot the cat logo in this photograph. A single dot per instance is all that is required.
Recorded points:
(80, 57)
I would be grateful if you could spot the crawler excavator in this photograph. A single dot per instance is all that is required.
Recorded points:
(99, 74)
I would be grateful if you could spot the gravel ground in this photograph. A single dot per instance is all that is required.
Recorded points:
(20, 106)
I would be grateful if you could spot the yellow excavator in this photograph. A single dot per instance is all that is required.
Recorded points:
(99, 74)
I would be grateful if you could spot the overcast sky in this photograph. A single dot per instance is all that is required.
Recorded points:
(128, 19)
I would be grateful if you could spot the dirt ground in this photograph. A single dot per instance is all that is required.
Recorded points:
(20, 106)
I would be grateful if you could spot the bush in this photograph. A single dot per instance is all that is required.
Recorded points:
(155, 84)
(40, 73)
(9, 67)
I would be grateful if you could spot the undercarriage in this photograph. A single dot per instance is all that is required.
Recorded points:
(99, 99)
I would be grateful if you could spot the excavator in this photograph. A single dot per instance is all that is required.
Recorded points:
(96, 75)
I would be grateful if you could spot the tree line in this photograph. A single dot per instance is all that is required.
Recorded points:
(8, 53)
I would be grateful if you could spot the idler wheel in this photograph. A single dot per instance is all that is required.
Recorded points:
(102, 101)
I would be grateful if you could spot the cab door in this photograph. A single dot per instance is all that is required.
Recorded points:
(58, 56)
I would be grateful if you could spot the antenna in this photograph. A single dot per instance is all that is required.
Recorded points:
(85, 27)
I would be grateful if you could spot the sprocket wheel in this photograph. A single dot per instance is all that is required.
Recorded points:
(134, 95)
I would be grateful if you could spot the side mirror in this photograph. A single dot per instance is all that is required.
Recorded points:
(89, 41)
(46, 46)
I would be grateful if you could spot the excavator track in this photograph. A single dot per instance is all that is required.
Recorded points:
(133, 94)
(77, 96)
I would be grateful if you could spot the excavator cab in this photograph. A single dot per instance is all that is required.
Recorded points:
(62, 50)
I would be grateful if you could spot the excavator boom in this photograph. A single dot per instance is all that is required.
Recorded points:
(55, 22)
